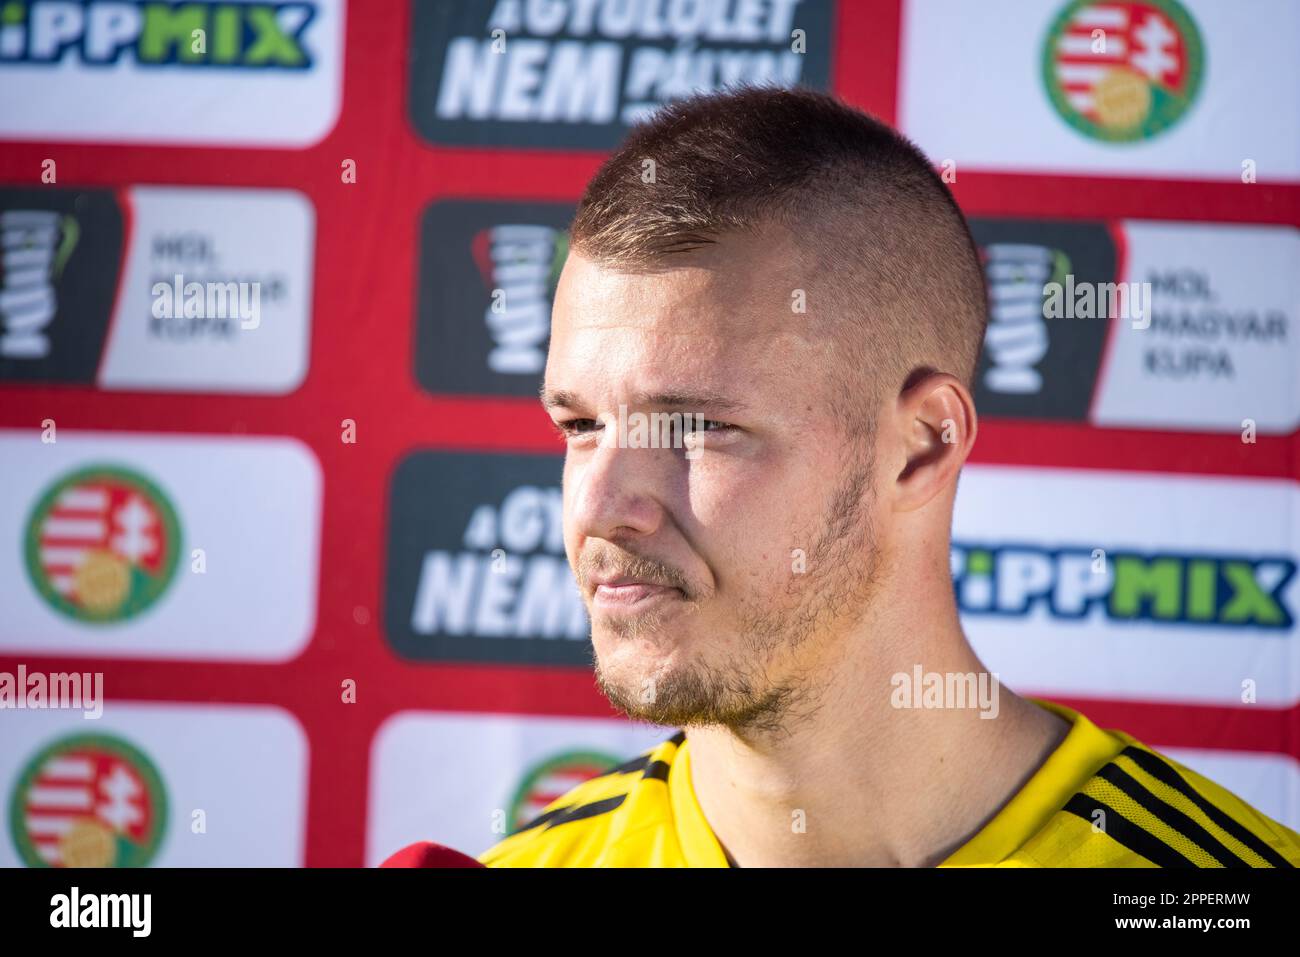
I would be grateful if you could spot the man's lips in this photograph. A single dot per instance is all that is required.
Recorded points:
(625, 593)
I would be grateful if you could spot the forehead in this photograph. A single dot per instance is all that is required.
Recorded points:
(719, 318)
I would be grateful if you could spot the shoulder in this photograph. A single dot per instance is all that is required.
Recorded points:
(580, 828)
(1143, 809)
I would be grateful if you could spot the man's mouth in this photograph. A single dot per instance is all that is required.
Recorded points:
(625, 595)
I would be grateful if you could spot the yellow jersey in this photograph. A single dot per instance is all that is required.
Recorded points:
(1101, 799)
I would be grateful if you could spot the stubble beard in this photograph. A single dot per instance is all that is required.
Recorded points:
(742, 692)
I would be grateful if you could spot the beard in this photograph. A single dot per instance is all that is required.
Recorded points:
(743, 692)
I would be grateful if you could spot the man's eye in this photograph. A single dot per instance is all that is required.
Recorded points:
(573, 428)
(569, 427)
(707, 425)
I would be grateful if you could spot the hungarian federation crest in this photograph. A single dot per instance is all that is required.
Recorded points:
(1123, 71)
(88, 801)
(102, 544)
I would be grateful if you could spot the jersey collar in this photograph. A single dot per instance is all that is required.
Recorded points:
(1084, 749)
(699, 846)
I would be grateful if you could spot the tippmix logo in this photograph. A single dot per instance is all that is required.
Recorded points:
(224, 74)
(1123, 71)
(102, 544)
(250, 36)
(88, 801)
(1166, 588)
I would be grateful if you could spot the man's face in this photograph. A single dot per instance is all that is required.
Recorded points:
(718, 574)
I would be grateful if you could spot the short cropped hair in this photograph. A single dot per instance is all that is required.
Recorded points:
(887, 247)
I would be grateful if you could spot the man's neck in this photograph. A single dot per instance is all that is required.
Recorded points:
(872, 776)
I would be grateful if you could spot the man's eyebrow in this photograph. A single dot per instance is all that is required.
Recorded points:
(558, 398)
(689, 399)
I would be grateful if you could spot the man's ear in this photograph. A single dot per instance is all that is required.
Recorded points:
(935, 422)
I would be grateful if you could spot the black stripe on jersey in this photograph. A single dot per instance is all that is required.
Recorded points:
(544, 818)
(1124, 831)
(581, 812)
(642, 762)
(1162, 771)
(636, 764)
(1170, 816)
(573, 812)
(652, 771)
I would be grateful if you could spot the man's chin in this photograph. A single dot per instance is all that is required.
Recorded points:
(638, 702)
(636, 662)
(633, 674)
(670, 687)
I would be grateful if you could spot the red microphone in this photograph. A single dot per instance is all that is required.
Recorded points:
(429, 854)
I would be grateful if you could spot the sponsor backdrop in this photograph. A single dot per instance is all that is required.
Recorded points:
(311, 537)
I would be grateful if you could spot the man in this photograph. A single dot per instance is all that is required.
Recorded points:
(789, 280)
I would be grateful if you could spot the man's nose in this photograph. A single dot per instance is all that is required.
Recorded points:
(619, 492)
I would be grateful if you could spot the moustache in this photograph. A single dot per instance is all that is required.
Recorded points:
(619, 562)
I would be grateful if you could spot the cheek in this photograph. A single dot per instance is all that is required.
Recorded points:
(719, 492)
(752, 527)
(762, 521)
(572, 476)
